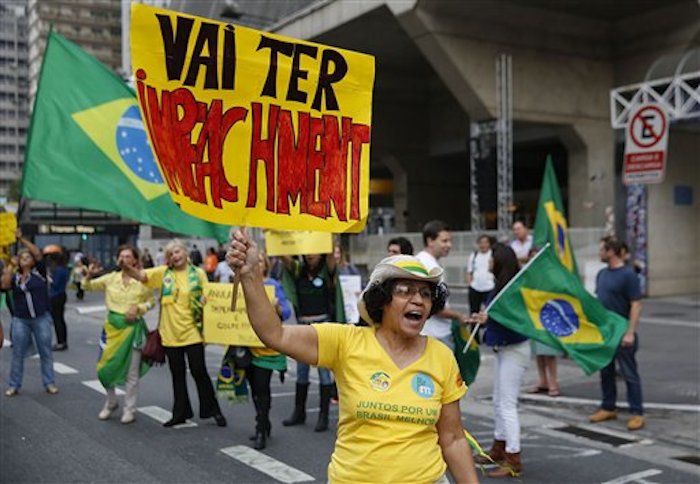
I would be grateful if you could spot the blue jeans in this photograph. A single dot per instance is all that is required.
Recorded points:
(324, 374)
(22, 329)
(628, 368)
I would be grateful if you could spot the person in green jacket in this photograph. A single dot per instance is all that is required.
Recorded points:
(313, 288)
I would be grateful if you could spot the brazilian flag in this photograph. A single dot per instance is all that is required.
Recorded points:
(547, 303)
(469, 360)
(550, 223)
(87, 146)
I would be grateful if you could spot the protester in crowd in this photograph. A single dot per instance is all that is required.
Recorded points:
(417, 427)
(210, 262)
(26, 278)
(58, 282)
(437, 242)
(345, 268)
(77, 276)
(223, 272)
(181, 286)
(512, 359)
(522, 242)
(627, 258)
(264, 362)
(123, 334)
(479, 276)
(547, 374)
(160, 257)
(313, 288)
(546, 358)
(146, 259)
(618, 289)
(196, 256)
(399, 245)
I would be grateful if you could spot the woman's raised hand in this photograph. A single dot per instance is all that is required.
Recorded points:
(242, 254)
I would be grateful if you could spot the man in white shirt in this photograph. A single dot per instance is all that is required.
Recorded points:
(479, 276)
(522, 243)
(437, 243)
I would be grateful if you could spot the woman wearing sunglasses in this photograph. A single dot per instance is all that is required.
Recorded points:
(399, 391)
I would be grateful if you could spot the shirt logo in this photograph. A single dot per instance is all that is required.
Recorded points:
(380, 381)
(423, 385)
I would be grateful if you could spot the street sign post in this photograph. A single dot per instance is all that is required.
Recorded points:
(645, 146)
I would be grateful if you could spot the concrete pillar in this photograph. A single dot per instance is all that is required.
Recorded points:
(673, 231)
(591, 149)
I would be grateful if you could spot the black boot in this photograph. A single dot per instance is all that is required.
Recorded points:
(322, 424)
(260, 440)
(263, 426)
(298, 416)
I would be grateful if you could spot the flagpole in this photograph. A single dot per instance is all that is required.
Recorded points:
(471, 338)
(518, 275)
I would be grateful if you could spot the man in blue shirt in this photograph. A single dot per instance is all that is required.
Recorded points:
(618, 290)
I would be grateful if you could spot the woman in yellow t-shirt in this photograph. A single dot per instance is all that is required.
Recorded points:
(124, 332)
(399, 391)
(181, 285)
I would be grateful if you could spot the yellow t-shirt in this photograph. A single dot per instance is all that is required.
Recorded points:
(387, 427)
(119, 297)
(177, 327)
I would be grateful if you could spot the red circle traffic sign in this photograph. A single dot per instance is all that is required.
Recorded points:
(639, 118)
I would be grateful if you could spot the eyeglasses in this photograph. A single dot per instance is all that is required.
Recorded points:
(406, 290)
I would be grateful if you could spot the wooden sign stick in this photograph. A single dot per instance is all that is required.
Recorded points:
(236, 279)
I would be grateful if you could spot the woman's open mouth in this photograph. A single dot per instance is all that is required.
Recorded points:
(413, 315)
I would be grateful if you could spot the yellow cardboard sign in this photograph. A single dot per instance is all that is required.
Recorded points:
(279, 242)
(8, 228)
(223, 326)
(252, 128)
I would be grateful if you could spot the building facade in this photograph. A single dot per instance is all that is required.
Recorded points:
(95, 25)
(14, 90)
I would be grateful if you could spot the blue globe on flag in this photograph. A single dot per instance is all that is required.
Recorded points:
(133, 146)
(559, 318)
(561, 238)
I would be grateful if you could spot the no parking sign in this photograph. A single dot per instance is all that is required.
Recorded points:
(645, 146)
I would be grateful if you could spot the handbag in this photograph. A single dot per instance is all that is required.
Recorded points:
(153, 351)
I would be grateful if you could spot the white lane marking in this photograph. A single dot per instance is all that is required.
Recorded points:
(569, 452)
(681, 407)
(62, 369)
(266, 464)
(636, 477)
(162, 415)
(668, 322)
(97, 386)
(91, 309)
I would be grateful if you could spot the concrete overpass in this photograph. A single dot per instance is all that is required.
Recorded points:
(436, 73)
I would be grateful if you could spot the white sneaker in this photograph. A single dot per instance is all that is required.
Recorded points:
(107, 411)
(128, 417)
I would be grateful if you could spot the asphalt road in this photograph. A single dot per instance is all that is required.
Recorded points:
(59, 439)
